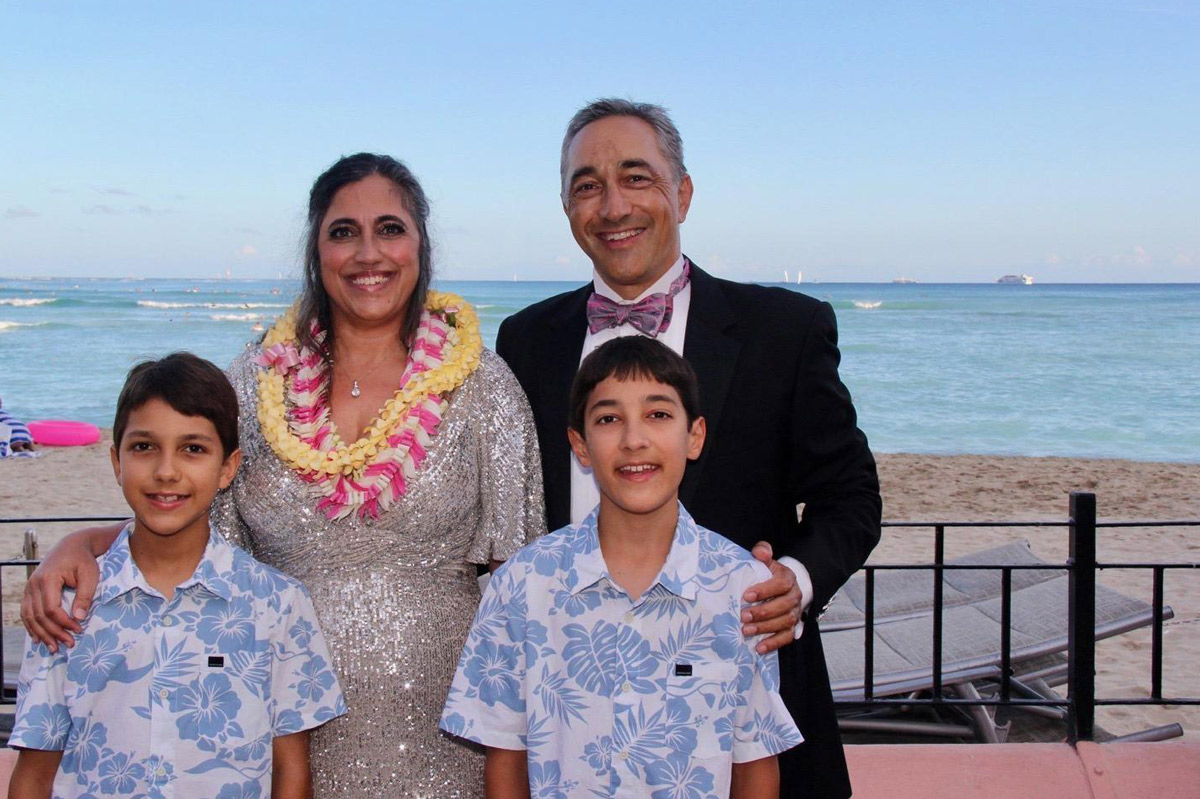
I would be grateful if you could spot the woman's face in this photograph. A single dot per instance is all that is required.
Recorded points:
(369, 248)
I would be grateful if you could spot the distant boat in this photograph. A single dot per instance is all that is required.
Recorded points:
(786, 279)
(867, 305)
(903, 280)
(799, 277)
(1020, 280)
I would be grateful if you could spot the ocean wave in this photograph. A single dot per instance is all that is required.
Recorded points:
(7, 326)
(22, 302)
(209, 305)
(867, 304)
(238, 317)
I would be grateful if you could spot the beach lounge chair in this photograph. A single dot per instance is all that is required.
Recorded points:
(971, 634)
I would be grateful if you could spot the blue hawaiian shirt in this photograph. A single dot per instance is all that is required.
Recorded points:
(178, 698)
(613, 695)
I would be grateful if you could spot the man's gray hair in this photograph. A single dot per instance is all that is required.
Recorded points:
(669, 141)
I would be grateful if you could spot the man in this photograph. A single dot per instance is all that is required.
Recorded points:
(782, 434)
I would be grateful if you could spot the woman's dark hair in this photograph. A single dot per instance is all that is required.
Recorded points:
(314, 301)
(190, 385)
(633, 357)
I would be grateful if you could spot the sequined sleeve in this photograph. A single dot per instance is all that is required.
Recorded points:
(510, 474)
(224, 516)
(226, 520)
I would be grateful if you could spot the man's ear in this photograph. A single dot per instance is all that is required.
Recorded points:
(229, 468)
(116, 462)
(685, 197)
(579, 446)
(696, 438)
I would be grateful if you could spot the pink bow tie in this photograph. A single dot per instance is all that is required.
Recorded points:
(650, 315)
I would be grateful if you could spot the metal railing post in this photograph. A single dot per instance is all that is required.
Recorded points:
(1081, 618)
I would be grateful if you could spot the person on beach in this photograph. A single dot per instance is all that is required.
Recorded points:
(385, 454)
(199, 670)
(784, 461)
(15, 438)
(610, 653)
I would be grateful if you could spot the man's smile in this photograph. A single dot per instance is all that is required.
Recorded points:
(621, 235)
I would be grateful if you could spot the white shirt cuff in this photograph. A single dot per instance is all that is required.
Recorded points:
(806, 589)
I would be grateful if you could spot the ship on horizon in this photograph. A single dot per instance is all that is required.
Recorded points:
(1019, 280)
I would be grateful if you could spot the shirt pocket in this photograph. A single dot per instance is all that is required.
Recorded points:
(699, 700)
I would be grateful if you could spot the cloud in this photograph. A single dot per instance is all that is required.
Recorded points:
(1185, 259)
(1138, 257)
(59, 190)
(563, 260)
(249, 231)
(20, 212)
(248, 250)
(1053, 259)
(144, 210)
(101, 210)
(113, 191)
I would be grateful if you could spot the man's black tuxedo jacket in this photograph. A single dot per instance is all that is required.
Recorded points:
(781, 431)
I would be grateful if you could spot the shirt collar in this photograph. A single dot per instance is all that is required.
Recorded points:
(119, 574)
(660, 286)
(677, 575)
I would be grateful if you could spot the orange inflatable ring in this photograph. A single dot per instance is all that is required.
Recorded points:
(63, 433)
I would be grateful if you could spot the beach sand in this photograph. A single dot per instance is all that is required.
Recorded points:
(79, 482)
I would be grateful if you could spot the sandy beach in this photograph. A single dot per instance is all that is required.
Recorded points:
(78, 482)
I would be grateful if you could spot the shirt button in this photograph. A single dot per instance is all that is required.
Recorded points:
(626, 688)
(168, 621)
(623, 755)
(629, 617)
(160, 772)
(163, 693)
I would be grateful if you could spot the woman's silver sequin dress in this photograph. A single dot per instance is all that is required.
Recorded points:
(396, 596)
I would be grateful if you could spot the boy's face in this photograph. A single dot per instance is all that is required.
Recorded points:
(637, 443)
(170, 466)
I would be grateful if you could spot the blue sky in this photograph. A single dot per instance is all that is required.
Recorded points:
(857, 142)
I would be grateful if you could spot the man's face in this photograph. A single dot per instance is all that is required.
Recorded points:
(624, 203)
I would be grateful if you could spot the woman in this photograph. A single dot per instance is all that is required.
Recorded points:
(384, 531)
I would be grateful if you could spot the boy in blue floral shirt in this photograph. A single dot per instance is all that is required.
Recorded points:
(607, 659)
(199, 671)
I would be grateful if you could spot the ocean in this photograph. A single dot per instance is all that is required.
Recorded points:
(1070, 370)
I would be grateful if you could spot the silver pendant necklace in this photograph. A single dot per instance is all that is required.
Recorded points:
(355, 391)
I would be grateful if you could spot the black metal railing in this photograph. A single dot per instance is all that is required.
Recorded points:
(1082, 565)
(1080, 702)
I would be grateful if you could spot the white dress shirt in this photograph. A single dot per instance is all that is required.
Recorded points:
(585, 494)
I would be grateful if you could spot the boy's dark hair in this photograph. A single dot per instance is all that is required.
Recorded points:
(633, 357)
(190, 385)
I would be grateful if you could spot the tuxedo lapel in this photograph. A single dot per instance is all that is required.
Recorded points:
(559, 349)
(711, 347)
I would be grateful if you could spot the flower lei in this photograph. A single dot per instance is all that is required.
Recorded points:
(370, 474)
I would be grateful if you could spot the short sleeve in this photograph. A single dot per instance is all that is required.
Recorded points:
(43, 720)
(510, 475)
(762, 724)
(304, 689)
(486, 703)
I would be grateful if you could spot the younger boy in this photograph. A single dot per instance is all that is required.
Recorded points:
(199, 670)
(607, 659)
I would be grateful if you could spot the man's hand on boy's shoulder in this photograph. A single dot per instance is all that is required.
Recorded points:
(779, 600)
